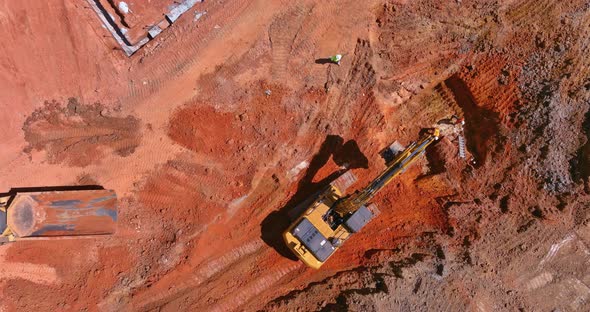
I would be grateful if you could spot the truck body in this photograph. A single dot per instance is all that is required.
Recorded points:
(57, 213)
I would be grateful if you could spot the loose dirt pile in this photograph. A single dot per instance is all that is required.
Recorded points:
(214, 131)
(79, 134)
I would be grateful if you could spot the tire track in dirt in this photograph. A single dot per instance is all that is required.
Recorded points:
(217, 265)
(182, 60)
(484, 81)
(422, 65)
(208, 269)
(525, 238)
(254, 288)
(282, 32)
(304, 42)
(36, 273)
(488, 82)
(536, 282)
(530, 10)
(211, 269)
(212, 272)
(580, 63)
(183, 189)
(177, 59)
(227, 268)
(79, 134)
(326, 34)
(546, 279)
(411, 53)
(223, 271)
(359, 79)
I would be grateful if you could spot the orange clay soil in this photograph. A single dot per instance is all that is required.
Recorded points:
(213, 132)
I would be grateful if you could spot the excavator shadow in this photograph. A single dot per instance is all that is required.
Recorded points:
(344, 154)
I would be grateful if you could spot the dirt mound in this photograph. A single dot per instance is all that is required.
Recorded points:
(79, 134)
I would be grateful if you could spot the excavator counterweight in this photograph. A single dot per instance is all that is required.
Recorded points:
(332, 217)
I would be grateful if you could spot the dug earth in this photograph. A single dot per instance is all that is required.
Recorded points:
(213, 131)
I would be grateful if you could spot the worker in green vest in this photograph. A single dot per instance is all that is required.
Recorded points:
(336, 58)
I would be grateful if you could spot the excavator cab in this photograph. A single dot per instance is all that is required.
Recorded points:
(320, 231)
(332, 217)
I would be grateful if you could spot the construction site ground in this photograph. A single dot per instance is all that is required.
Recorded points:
(214, 130)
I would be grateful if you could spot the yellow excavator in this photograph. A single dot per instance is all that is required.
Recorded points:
(332, 217)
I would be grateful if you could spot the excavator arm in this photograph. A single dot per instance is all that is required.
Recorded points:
(331, 218)
(354, 201)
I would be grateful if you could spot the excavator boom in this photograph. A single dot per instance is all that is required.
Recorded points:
(331, 217)
(401, 161)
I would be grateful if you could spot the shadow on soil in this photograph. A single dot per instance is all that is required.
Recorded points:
(482, 124)
(580, 164)
(344, 154)
(323, 61)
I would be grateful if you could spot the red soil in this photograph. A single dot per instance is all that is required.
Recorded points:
(206, 165)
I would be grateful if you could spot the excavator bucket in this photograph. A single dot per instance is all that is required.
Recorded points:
(62, 213)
